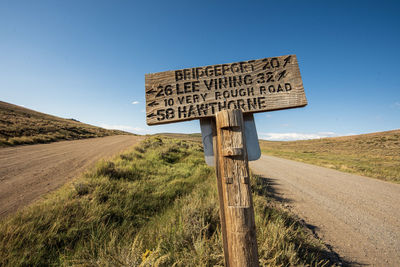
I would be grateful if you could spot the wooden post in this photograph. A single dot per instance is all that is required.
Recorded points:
(220, 195)
(236, 204)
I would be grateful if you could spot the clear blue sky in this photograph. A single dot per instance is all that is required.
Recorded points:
(87, 59)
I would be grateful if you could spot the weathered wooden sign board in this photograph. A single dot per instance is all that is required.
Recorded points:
(224, 96)
(252, 86)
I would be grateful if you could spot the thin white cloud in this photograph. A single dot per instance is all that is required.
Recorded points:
(143, 110)
(396, 104)
(135, 102)
(125, 128)
(327, 133)
(268, 115)
(295, 136)
(285, 125)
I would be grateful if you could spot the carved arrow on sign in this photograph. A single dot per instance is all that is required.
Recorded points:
(153, 103)
(281, 75)
(151, 91)
(287, 60)
(151, 115)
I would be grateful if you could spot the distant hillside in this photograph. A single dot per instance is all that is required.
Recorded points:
(375, 155)
(189, 137)
(20, 125)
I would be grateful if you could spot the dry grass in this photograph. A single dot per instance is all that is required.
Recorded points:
(19, 126)
(187, 137)
(156, 205)
(375, 155)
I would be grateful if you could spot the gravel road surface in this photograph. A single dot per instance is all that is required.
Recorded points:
(27, 172)
(358, 216)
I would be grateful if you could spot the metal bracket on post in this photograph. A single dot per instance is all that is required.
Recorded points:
(252, 145)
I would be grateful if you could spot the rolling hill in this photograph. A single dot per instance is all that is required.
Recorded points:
(375, 155)
(19, 125)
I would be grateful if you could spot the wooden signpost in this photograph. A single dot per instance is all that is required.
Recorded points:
(220, 95)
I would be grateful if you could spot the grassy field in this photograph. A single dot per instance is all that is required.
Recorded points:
(186, 137)
(155, 205)
(19, 126)
(375, 155)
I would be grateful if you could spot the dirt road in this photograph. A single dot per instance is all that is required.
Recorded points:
(358, 216)
(27, 172)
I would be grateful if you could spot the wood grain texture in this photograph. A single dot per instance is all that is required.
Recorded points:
(220, 184)
(252, 86)
(237, 204)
